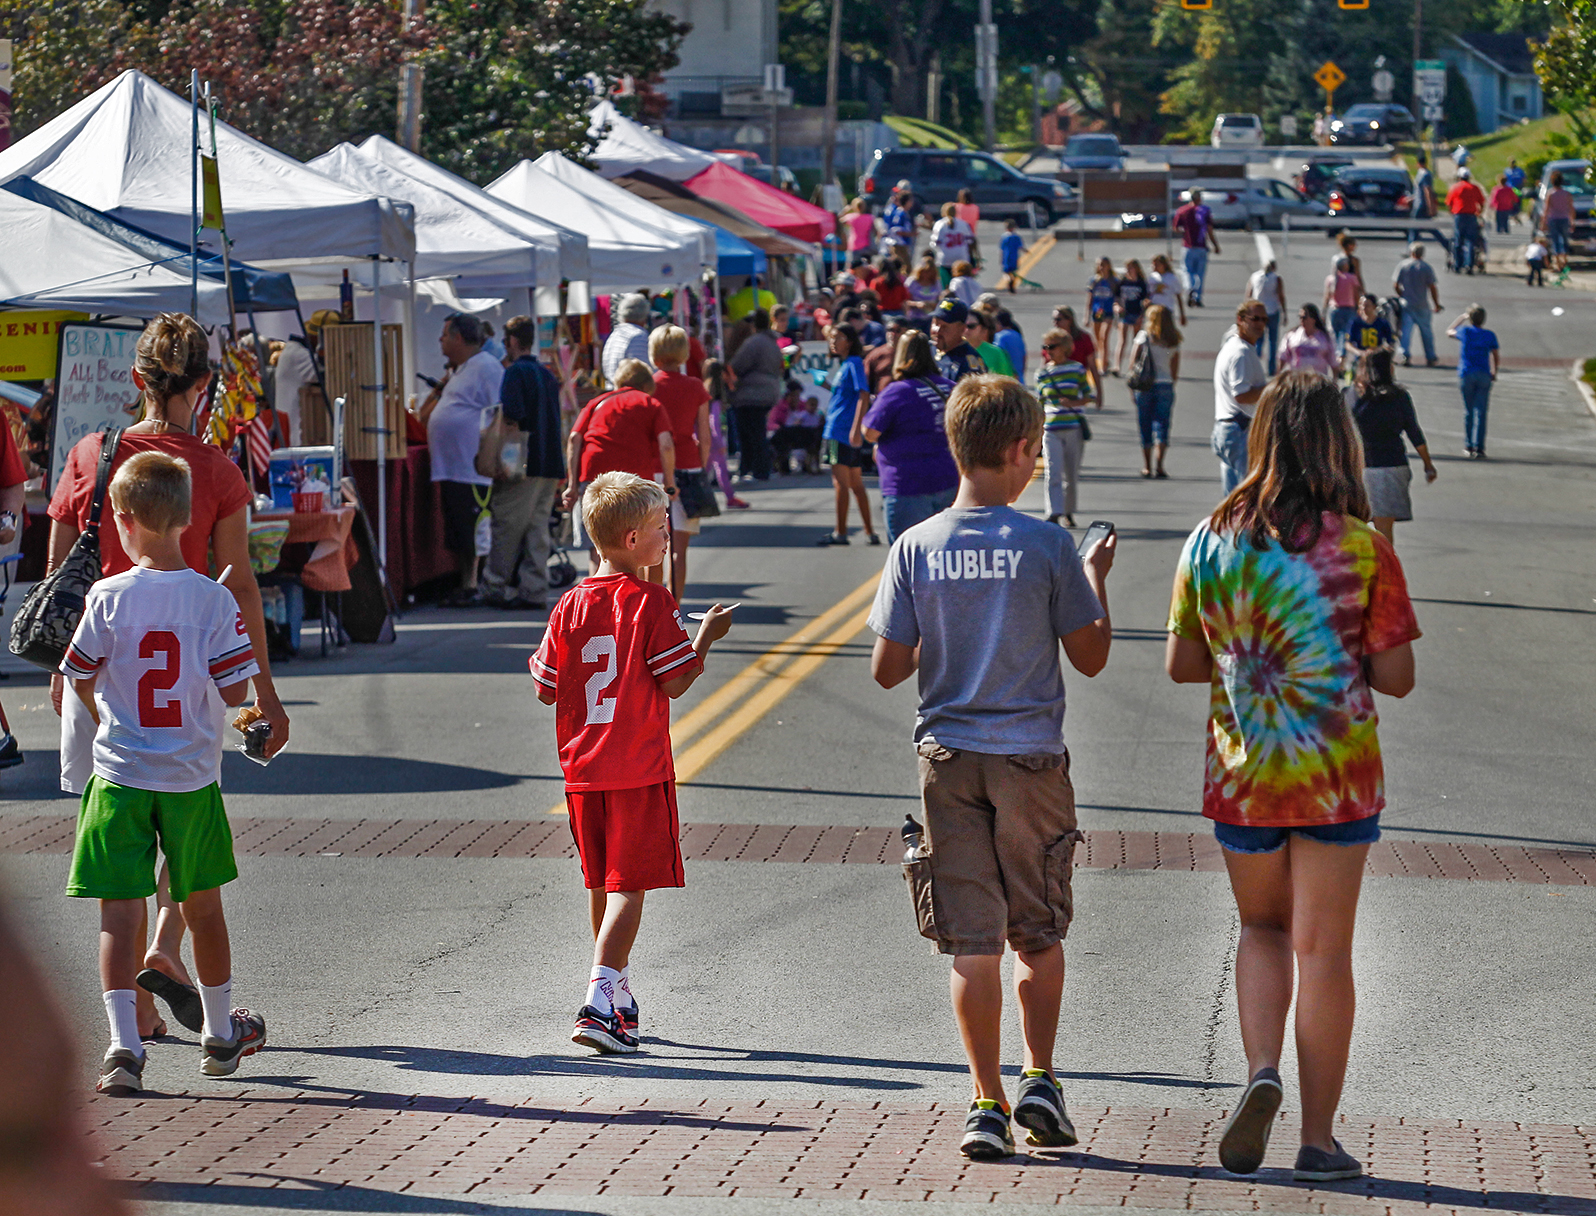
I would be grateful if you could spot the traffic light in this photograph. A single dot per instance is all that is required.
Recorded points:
(1196, 5)
(1353, 3)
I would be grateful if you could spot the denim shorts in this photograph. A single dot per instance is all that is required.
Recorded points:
(1239, 838)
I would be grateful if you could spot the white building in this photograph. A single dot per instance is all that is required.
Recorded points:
(730, 43)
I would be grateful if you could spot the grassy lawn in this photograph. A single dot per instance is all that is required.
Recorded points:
(1492, 152)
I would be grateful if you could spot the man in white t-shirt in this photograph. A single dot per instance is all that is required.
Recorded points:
(952, 239)
(1239, 380)
(156, 643)
(1265, 287)
(629, 338)
(453, 414)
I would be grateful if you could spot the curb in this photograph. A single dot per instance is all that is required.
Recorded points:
(1585, 390)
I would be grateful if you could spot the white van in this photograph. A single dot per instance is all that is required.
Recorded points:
(1237, 131)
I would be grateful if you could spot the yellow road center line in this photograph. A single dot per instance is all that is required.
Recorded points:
(766, 665)
(802, 646)
(694, 760)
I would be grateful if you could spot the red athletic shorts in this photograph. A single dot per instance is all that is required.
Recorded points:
(628, 840)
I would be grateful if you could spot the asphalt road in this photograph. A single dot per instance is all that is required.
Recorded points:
(457, 976)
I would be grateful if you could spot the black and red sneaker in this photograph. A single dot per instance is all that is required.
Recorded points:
(630, 1017)
(222, 1055)
(605, 1033)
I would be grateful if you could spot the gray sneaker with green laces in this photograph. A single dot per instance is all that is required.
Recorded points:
(1040, 1111)
(986, 1132)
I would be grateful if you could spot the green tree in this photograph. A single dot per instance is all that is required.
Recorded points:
(507, 79)
(1566, 65)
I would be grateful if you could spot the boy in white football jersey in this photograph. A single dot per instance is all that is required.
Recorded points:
(153, 642)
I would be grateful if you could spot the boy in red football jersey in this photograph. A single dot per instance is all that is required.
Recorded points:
(613, 657)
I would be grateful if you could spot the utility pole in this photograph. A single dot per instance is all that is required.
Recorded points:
(828, 130)
(410, 90)
(986, 73)
(1036, 103)
(1418, 53)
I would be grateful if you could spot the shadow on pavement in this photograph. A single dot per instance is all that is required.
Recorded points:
(315, 1194)
(1367, 1187)
(310, 773)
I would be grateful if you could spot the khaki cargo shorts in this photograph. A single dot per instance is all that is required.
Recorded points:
(1001, 833)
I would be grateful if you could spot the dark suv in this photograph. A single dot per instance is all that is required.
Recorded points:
(1371, 123)
(937, 176)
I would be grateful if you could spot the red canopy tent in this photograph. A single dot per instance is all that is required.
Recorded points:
(771, 207)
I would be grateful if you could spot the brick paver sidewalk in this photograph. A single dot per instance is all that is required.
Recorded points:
(808, 844)
(1148, 1158)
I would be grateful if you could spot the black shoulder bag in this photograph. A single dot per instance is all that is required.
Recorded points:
(49, 615)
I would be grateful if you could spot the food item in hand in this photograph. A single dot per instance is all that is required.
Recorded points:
(246, 716)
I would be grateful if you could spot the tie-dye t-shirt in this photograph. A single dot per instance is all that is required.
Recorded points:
(1291, 738)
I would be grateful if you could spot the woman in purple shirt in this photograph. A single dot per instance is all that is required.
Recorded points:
(1308, 348)
(918, 476)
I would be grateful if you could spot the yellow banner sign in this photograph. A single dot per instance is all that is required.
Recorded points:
(211, 194)
(29, 342)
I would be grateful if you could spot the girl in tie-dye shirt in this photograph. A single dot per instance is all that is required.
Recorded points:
(1293, 609)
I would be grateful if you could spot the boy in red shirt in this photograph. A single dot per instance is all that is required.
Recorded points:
(614, 656)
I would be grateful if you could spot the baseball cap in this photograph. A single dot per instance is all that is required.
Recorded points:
(952, 311)
(903, 183)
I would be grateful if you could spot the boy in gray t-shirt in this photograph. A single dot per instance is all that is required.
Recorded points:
(977, 599)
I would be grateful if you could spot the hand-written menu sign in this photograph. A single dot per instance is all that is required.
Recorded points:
(94, 386)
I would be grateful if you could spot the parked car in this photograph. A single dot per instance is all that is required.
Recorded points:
(1237, 131)
(1576, 181)
(1256, 202)
(937, 175)
(778, 176)
(1090, 152)
(1370, 190)
(1372, 123)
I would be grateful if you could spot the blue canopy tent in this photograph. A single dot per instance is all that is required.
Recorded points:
(254, 290)
(735, 256)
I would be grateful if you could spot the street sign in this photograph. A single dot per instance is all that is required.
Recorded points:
(1429, 82)
(1288, 124)
(1330, 77)
(1383, 83)
(1434, 113)
(1197, 5)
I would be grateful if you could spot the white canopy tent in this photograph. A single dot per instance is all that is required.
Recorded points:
(626, 248)
(124, 150)
(50, 260)
(533, 226)
(628, 146)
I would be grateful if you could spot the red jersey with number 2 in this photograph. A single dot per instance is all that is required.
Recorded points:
(610, 644)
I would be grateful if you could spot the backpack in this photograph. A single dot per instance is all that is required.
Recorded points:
(1143, 372)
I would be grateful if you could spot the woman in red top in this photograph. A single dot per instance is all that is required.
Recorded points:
(1082, 348)
(892, 293)
(1504, 202)
(171, 368)
(13, 476)
(624, 431)
(686, 400)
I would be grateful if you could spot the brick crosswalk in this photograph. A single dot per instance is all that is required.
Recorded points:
(175, 1145)
(807, 843)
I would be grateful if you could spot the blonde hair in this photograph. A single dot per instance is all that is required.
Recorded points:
(172, 354)
(949, 211)
(155, 489)
(668, 345)
(634, 373)
(1159, 323)
(963, 268)
(987, 415)
(617, 503)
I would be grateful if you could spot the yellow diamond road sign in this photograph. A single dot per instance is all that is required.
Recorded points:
(1330, 77)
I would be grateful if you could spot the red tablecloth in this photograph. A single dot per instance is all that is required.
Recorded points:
(334, 555)
(416, 553)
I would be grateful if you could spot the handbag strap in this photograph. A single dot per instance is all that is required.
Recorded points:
(931, 384)
(102, 476)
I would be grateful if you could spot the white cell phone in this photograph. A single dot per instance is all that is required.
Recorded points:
(1098, 529)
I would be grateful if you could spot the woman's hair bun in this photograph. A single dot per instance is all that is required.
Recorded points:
(173, 352)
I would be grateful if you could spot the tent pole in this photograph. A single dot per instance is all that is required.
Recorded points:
(379, 391)
(193, 190)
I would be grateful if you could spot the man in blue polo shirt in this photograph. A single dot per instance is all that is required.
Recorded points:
(1479, 359)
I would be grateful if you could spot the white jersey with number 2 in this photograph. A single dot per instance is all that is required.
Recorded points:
(160, 641)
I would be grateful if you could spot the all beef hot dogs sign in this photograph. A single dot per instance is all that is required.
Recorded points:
(94, 385)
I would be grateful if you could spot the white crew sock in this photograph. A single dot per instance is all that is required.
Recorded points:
(601, 988)
(623, 990)
(218, 1003)
(122, 1008)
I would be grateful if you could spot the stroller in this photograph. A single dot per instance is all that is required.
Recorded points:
(561, 569)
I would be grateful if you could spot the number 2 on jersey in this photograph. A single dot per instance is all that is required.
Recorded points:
(159, 679)
(600, 649)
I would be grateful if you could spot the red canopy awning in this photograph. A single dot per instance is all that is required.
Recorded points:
(772, 207)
